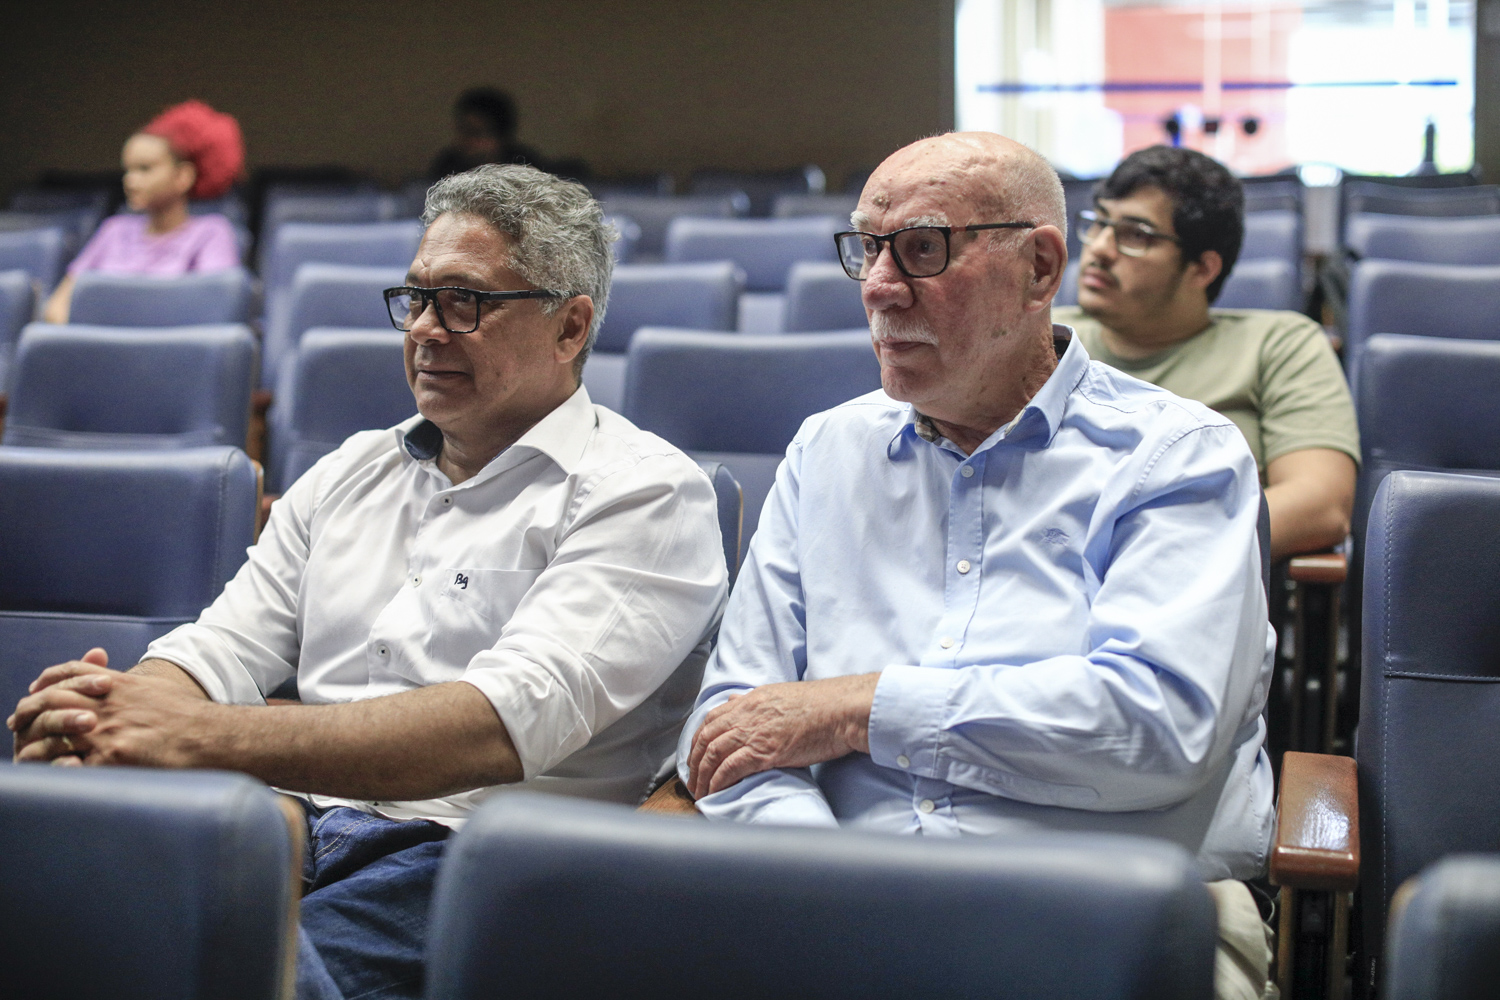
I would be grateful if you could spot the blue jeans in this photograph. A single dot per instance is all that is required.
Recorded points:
(367, 884)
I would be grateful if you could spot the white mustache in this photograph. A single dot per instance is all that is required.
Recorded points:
(885, 327)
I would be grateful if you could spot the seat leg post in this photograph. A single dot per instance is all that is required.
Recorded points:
(1299, 669)
(1286, 937)
(1331, 674)
(1338, 947)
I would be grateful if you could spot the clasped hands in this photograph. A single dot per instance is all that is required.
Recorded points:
(792, 724)
(81, 712)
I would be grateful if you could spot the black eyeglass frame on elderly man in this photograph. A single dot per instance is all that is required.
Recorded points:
(857, 255)
(456, 304)
(1132, 238)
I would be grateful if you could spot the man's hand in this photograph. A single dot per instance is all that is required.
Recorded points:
(794, 724)
(81, 710)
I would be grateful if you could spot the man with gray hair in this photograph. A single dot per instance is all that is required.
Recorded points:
(513, 588)
(1014, 588)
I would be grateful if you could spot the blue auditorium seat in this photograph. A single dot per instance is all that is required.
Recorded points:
(628, 244)
(345, 295)
(1266, 283)
(765, 249)
(1078, 195)
(1432, 300)
(113, 549)
(17, 306)
(1430, 691)
(1067, 292)
(136, 884)
(107, 387)
(731, 501)
(791, 206)
(761, 187)
(1469, 240)
(41, 253)
(102, 299)
(545, 897)
(1444, 943)
(291, 204)
(739, 400)
(370, 244)
(1275, 234)
(692, 296)
(339, 382)
(820, 296)
(1271, 193)
(654, 214)
(1392, 199)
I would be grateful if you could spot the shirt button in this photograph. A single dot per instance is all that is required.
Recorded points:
(967, 472)
(903, 760)
(383, 651)
(416, 581)
(946, 642)
(963, 566)
(926, 806)
(447, 501)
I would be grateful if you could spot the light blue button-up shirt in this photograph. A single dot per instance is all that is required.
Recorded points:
(1069, 623)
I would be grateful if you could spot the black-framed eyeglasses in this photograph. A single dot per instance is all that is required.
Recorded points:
(919, 251)
(1132, 238)
(457, 308)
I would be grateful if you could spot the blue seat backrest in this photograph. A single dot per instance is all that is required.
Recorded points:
(1276, 234)
(629, 231)
(1432, 300)
(41, 253)
(1265, 283)
(1445, 943)
(113, 549)
(820, 296)
(343, 295)
(1430, 690)
(340, 382)
(107, 387)
(765, 249)
(181, 881)
(791, 206)
(1425, 403)
(1078, 195)
(1466, 240)
(138, 300)
(760, 187)
(370, 244)
(17, 306)
(654, 214)
(1393, 199)
(731, 512)
(1273, 193)
(836, 914)
(740, 400)
(702, 296)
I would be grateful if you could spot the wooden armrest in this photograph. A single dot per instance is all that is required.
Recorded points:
(260, 401)
(1317, 828)
(1321, 567)
(672, 799)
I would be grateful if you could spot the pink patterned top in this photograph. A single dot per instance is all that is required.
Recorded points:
(122, 246)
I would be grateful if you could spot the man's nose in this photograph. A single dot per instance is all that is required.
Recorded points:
(426, 329)
(885, 287)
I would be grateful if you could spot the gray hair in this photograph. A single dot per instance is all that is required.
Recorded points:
(560, 239)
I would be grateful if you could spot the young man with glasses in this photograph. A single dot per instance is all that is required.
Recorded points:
(1163, 236)
(1013, 589)
(513, 588)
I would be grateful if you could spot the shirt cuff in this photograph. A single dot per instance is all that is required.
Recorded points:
(203, 655)
(907, 715)
(540, 714)
(776, 798)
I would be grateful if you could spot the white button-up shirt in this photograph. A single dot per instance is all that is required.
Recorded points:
(575, 581)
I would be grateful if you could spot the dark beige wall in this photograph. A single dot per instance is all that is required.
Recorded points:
(1487, 91)
(628, 86)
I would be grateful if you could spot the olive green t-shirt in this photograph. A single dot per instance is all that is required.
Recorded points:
(1273, 373)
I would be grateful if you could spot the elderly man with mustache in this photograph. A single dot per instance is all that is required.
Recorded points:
(1014, 588)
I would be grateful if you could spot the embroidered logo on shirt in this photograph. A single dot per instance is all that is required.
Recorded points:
(1055, 536)
(461, 582)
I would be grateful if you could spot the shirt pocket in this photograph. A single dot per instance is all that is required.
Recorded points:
(467, 611)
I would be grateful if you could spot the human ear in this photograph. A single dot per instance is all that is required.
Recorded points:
(576, 315)
(185, 177)
(1206, 268)
(1049, 258)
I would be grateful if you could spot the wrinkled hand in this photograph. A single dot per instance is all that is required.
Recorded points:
(82, 712)
(78, 685)
(793, 724)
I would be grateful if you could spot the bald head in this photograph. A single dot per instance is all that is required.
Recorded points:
(996, 177)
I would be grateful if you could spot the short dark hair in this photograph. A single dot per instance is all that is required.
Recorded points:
(1208, 202)
(494, 106)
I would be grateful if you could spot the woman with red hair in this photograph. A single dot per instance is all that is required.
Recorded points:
(188, 151)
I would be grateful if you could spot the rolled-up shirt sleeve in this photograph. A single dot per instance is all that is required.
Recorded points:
(636, 580)
(1176, 638)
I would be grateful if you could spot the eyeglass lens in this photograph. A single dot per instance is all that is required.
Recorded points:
(458, 309)
(1131, 237)
(920, 253)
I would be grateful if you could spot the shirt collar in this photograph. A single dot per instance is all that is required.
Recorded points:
(561, 435)
(1038, 421)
